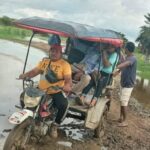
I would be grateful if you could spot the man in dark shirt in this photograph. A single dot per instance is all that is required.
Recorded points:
(128, 76)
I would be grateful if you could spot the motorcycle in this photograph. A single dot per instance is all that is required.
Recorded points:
(33, 120)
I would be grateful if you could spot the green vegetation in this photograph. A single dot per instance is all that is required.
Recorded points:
(12, 33)
(6, 21)
(142, 66)
(144, 37)
(7, 31)
(144, 45)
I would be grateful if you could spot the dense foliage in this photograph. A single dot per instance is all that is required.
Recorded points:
(6, 21)
(8, 31)
(144, 36)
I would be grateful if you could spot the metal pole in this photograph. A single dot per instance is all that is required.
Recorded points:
(27, 55)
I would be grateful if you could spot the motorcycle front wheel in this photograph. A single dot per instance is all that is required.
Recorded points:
(19, 136)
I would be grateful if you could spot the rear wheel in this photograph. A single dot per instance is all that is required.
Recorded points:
(19, 137)
(100, 130)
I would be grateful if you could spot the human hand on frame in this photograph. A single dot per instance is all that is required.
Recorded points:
(67, 89)
(78, 75)
(116, 72)
(22, 76)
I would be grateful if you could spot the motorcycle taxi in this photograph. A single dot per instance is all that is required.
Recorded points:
(32, 121)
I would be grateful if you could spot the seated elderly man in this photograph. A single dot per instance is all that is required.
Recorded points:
(83, 70)
(109, 60)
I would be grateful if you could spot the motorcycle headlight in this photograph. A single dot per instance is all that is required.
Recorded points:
(31, 101)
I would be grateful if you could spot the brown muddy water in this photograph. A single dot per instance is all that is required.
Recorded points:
(141, 92)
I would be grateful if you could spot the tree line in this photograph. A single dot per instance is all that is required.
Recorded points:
(144, 38)
(6, 21)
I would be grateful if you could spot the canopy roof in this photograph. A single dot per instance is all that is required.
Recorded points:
(70, 29)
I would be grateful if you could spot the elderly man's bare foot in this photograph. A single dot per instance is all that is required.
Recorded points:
(80, 100)
(92, 103)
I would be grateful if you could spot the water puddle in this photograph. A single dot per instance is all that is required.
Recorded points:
(141, 92)
(73, 129)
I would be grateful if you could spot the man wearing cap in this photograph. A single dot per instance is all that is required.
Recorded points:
(62, 71)
(128, 76)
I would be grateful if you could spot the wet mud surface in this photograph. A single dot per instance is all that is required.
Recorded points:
(134, 137)
(73, 135)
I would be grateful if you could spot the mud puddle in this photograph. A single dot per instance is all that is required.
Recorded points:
(141, 92)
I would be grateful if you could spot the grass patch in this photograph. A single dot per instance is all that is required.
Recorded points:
(12, 33)
(142, 67)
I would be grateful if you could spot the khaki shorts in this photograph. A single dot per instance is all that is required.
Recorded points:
(125, 95)
(81, 66)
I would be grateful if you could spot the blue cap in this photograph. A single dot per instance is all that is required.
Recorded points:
(54, 40)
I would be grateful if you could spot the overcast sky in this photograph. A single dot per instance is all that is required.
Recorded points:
(125, 16)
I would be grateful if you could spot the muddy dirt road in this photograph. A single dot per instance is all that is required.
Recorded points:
(134, 137)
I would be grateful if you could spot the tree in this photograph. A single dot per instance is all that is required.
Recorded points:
(6, 21)
(144, 37)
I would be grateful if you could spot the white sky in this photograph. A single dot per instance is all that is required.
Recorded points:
(125, 16)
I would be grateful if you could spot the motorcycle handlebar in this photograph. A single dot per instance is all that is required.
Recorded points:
(27, 79)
